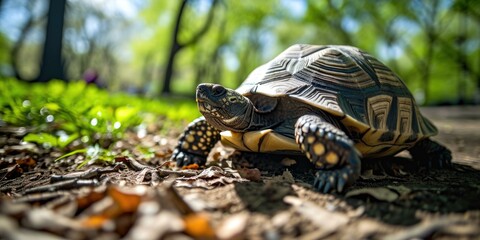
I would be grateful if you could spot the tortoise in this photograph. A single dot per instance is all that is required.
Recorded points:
(335, 104)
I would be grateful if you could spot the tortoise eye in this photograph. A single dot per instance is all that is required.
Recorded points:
(218, 90)
(232, 99)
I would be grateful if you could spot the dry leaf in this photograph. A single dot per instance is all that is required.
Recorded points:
(127, 200)
(252, 174)
(92, 197)
(156, 226)
(285, 177)
(287, 162)
(233, 227)
(118, 202)
(191, 167)
(327, 221)
(198, 225)
(401, 189)
(209, 178)
(95, 221)
(379, 193)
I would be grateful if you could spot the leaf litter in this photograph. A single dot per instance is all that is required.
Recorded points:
(148, 198)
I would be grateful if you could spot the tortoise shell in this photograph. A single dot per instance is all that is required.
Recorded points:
(368, 98)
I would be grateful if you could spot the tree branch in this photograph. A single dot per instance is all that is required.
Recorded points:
(204, 28)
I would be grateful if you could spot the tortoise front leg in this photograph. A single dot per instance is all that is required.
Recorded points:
(195, 143)
(330, 150)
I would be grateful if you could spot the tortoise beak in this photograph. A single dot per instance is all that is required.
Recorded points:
(210, 93)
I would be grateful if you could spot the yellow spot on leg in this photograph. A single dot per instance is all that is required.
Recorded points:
(332, 158)
(195, 148)
(319, 164)
(185, 145)
(318, 149)
(310, 139)
(209, 133)
(190, 138)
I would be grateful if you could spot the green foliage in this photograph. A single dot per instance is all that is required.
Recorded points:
(93, 154)
(420, 40)
(434, 45)
(60, 113)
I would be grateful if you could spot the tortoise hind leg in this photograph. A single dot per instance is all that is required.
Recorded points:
(432, 153)
(331, 152)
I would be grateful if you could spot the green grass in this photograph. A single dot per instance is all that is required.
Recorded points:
(60, 113)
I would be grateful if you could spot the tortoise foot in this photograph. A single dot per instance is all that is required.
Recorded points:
(186, 158)
(330, 150)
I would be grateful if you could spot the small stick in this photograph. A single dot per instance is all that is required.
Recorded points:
(65, 185)
(88, 174)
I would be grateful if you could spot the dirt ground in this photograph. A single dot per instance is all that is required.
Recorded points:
(241, 196)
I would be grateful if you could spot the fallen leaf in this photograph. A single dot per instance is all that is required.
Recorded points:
(379, 193)
(47, 219)
(401, 189)
(369, 175)
(233, 227)
(118, 201)
(191, 167)
(209, 178)
(156, 225)
(327, 221)
(27, 162)
(252, 174)
(285, 177)
(92, 197)
(127, 200)
(198, 225)
(95, 221)
(287, 162)
(427, 227)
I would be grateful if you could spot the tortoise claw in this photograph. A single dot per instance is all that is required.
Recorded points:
(331, 180)
(341, 182)
(185, 158)
(327, 181)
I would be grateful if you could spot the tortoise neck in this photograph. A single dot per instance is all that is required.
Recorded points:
(261, 120)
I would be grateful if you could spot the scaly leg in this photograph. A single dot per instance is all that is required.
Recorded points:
(432, 153)
(195, 143)
(330, 150)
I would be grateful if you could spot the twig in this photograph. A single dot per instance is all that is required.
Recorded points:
(165, 173)
(88, 174)
(65, 185)
(132, 163)
(39, 197)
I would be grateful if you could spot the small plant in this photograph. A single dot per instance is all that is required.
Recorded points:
(59, 113)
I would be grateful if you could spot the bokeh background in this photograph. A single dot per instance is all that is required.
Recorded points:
(160, 47)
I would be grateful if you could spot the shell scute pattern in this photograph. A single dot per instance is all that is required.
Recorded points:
(371, 100)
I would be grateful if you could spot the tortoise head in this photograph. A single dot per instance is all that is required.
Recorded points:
(223, 108)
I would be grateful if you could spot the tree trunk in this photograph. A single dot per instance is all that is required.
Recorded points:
(176, 46)
(52, 64)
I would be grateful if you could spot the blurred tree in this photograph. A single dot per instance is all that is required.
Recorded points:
(32, 20)
(52, 60)
(177, 46)
(434, 45)
(93, 41)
